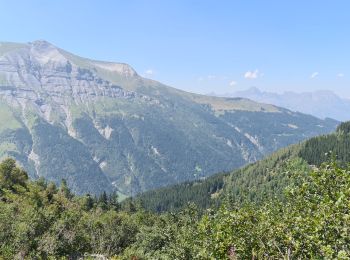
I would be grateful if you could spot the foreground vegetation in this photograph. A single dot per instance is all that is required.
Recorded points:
(40, 220)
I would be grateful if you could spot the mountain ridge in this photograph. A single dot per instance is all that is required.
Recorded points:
(104, 127)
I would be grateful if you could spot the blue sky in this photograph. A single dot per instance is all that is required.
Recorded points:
(200, 46)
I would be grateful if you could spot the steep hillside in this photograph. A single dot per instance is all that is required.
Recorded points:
(257, 182)
(101, 126)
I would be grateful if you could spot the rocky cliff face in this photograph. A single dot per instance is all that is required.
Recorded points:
(40, 76)
(101, 126)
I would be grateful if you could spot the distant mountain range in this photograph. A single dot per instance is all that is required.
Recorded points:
(102, 127)
(322, 103)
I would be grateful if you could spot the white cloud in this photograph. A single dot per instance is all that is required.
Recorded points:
(251, 74)
(340, 75)
(149, 72)
(233, 83)
(314, 75)
(211, 77)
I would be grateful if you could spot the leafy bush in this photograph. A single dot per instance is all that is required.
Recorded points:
(39, 220)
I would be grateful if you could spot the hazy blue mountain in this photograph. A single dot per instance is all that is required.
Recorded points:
(322, 103)
(101, 126)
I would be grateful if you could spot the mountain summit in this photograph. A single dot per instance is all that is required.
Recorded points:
(101, 126)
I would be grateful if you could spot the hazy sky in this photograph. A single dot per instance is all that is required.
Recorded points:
(200, 46)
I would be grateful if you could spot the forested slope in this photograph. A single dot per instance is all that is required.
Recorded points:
(257, 182)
